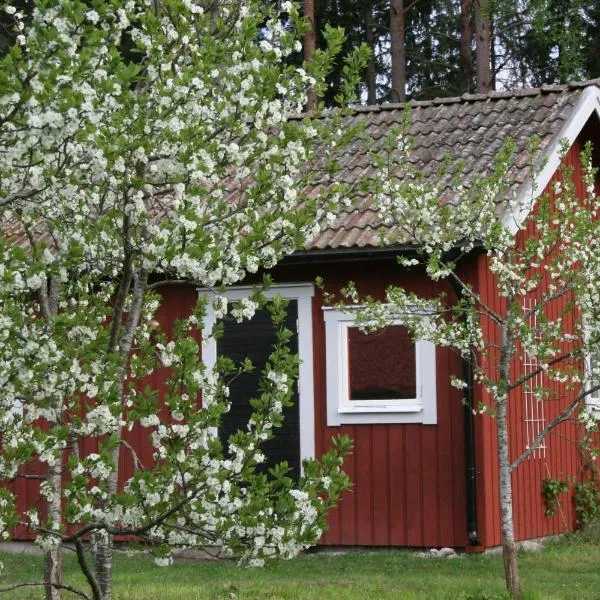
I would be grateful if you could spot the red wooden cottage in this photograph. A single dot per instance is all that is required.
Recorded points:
(424, 469)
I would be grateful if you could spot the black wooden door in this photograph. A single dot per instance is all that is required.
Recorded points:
(254, 339)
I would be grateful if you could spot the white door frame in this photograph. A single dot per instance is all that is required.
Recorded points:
(303, 294)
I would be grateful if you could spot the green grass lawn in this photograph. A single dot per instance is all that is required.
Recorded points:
(569, 568)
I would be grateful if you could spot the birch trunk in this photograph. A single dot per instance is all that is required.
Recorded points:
(53, 559)
(104, 552)
(509, 547)
(103, 541)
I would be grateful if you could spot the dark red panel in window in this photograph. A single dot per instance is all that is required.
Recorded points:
(382, 364)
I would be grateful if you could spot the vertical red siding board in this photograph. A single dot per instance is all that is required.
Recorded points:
(452, 506)
(486, 455)
(430, 513)
(539, 524)
(381, 485)
(389, 507)
(449, 500)
(575, 461)
(398, 487)
(458, 525)
(337, 517)
(561, 442)
(559, 445)
(362, 485)
(553, 464)
(480, 428)
(414, 483)
(523, 505)
(494, 436)
(348, 514)
(482, 478)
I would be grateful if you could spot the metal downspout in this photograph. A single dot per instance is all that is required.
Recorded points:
(471, 470)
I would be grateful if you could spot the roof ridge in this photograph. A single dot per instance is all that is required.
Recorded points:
(493, 95)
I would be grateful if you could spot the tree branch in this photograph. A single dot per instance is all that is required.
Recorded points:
(87, 571)
(525, 378)
(123, 289)
(59, 586)
(476, 297)
(563, 416)
(136, 459)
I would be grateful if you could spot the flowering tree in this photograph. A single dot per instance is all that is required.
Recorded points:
(545, 268)
(142, 142)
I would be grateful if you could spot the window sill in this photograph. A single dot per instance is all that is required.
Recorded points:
(381, 408)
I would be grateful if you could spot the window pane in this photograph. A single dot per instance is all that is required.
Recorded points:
(382, 364)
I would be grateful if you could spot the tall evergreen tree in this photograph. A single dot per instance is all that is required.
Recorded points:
(457, 46)
(397, 51)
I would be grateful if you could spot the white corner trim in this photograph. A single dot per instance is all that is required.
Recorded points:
(518, 209)
(303, 294)
(423, 411)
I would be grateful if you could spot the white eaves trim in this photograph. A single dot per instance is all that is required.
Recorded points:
(518, 209)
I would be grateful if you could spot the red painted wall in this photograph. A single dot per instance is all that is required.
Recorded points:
(408, 480)
(178, 302)
(560, 458)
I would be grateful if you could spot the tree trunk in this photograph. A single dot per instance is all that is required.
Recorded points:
(103, 541)
(398, 51)
(465, 57)
(104, 552)
(309, 50)
(493, 57)
(483, 46)
(509, 547)
(53, 559)
(370, 39)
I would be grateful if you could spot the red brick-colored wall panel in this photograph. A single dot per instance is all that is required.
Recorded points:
(408, 480)
(559, 459)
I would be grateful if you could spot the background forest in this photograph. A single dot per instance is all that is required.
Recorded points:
(423, 49)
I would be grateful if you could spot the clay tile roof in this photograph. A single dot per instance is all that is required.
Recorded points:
(469, 129)
(466, 131)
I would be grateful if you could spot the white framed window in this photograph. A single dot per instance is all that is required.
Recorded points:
(377, 377)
